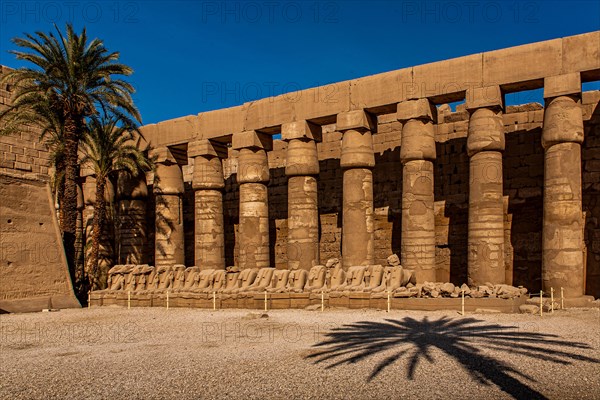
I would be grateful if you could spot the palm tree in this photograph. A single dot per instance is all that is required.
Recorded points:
(77, 78)
(109, 148)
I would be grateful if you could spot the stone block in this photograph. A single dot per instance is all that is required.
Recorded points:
(446, 80)
(415, 109)
(355, 120)
(269, 112)
(301, 130)
(489, 96)
(562, 85)
(322, 101)
(522, 63)
(252, 139)
(381, 89)
(223, 122)
(581, 53)
(178, 130)
(206, 147)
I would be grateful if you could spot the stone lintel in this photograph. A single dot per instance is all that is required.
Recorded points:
(206, 147)
(163, 155)
(562, 85)
(355, 120)
(252, 139)
(484, 97)
(415, 109)
(301, 130)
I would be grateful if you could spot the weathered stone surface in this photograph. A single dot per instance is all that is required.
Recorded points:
(562, 246)
(33, 268)
(489, 96)
(485, 143)
(562, 85)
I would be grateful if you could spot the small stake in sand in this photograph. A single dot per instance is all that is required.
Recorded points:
(462, 303)
(214, 300)
(388, 302)
(265, 300)
(167, 299)
(562, 299)
(322, 301)
(89, 299)
(541, 302)
(551, 299)
(129, 299)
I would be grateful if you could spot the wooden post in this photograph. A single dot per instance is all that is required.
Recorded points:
(541, 302)
(129, 299)
(552, 300)
(265, 300)
(562, 299)
(214, 300)
(89, 299)
(462, 303)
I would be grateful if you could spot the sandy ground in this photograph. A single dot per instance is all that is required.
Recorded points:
(150, 353)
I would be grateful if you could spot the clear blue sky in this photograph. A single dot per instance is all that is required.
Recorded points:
(192, 56)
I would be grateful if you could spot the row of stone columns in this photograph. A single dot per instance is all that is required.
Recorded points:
(562, 226)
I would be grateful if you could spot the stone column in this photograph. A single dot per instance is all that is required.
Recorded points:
(132, 195)
(168, 189)
(252, 177)
(302, 167)
(562, 237)
(417, 153)
(485, 144)
(208, 185)
(357, 162)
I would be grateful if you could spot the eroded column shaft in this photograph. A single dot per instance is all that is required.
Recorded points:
(132, 194)
(562, 238)
(485, 144)
(357, 162)
(418, 234)
(302, 165)
(357, 234)
(253, 234)
(417, 151)
(169, 236)
(209, 248)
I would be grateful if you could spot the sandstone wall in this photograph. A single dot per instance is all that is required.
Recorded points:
(33, 269)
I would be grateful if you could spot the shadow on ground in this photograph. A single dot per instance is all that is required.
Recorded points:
(465, 340)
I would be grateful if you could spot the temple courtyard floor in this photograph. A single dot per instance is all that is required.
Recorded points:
(155, 353)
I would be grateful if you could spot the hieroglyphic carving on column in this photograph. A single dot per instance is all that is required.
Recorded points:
(168, 189)
(357, 161)
(302, 167)
(208, 184)
(562, 236)
(253, 176)
(417, 153)
(131, 195)
(485, 144)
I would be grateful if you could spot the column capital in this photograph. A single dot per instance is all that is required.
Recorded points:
(416, 109)
(252, 140)
(163, 155)
(206, 148)
(357, 120)
(484, 97)
(562, 85)
(301, 130)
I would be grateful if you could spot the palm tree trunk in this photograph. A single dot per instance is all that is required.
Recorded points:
(69, 206)
(97, 226)
(60, 187)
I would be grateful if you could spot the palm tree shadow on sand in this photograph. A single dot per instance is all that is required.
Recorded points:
(460, 339)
